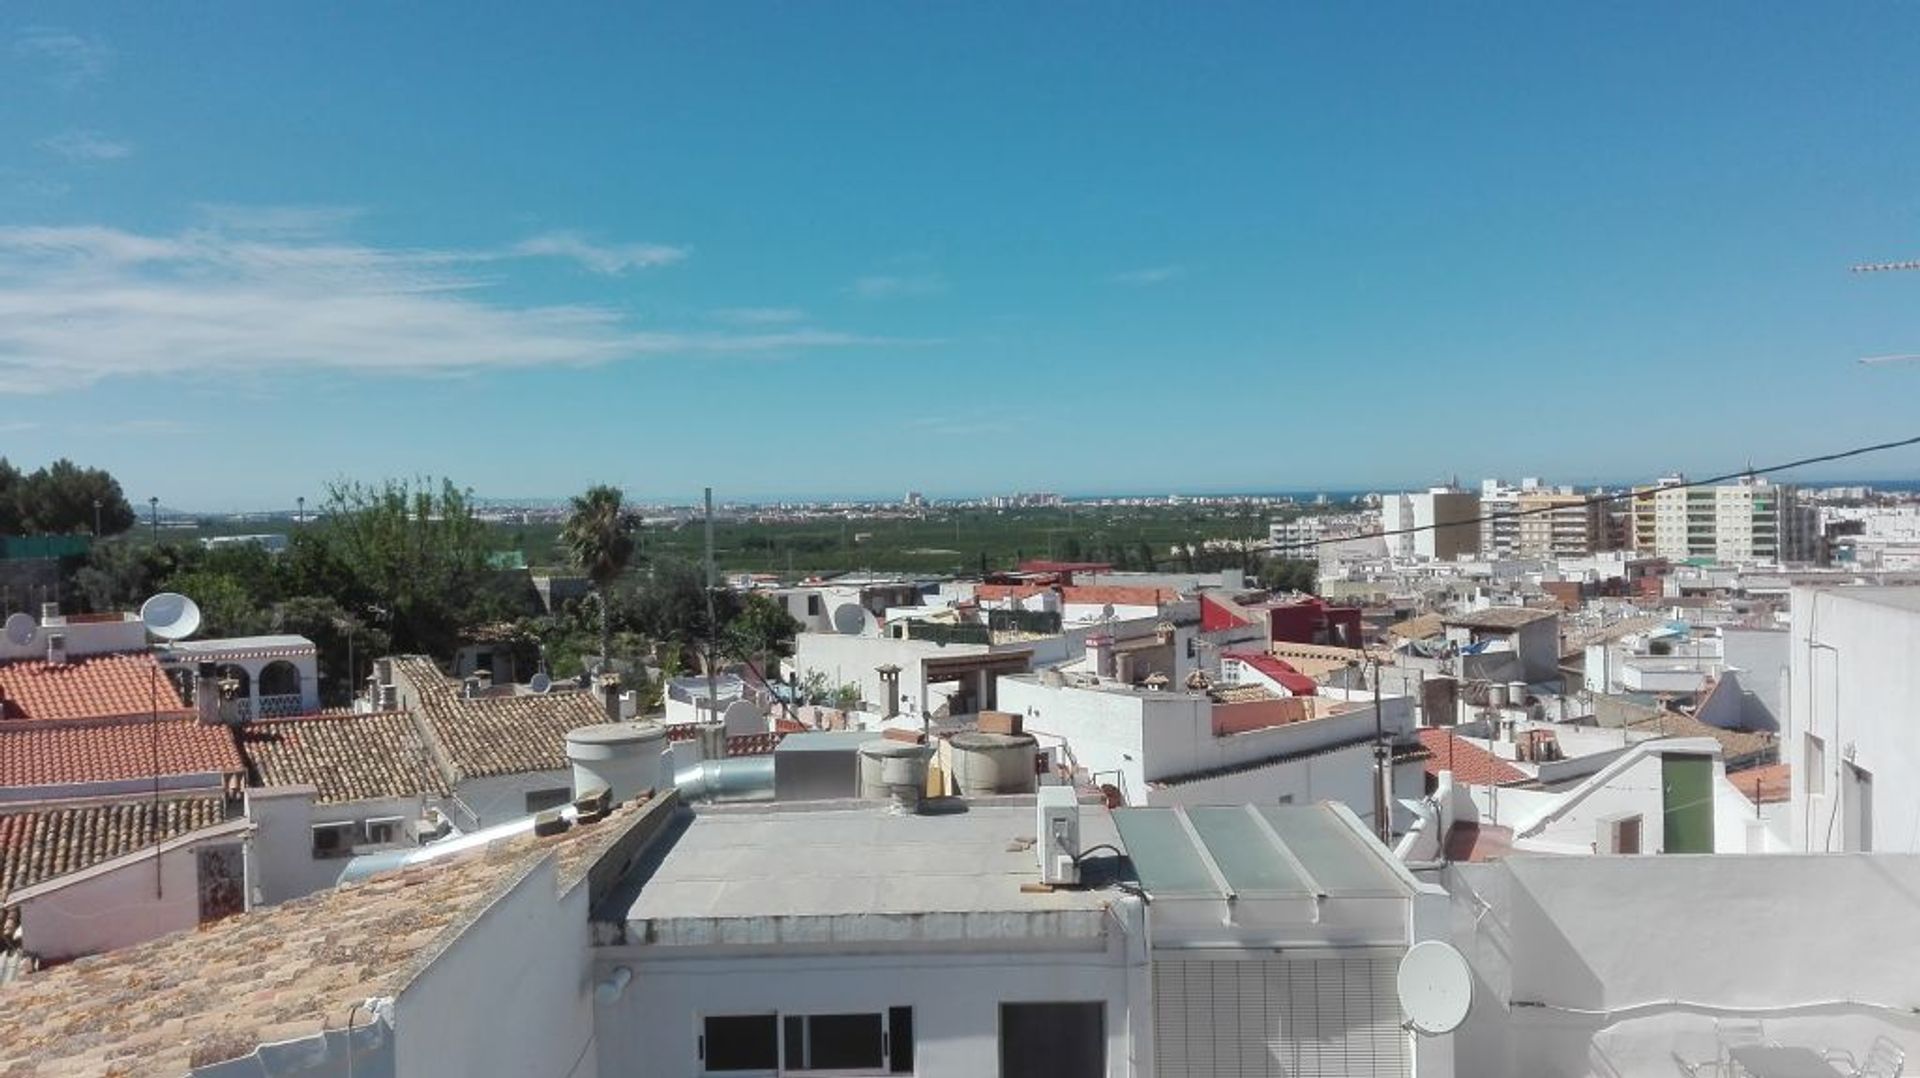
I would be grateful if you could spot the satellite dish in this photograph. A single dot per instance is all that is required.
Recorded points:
(540, 683)
(20, 629)
(1106, 611)
(849, 619)
(170, 616)
(1436, 988)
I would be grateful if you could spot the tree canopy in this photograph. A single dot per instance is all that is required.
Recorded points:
(599, 537)
(61, 499)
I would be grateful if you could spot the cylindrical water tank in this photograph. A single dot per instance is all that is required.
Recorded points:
(1496, 695)
(1516, 694)
(894, 770)
(625, 757)
(986, 763)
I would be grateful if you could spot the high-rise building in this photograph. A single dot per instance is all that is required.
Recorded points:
(1559, 524)
(1441, 523)
(1752, 520)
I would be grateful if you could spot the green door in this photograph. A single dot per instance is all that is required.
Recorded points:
(1687, 803)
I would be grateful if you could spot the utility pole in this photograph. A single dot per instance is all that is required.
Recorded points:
(153, 518)
(713, 630)
(1382, 774)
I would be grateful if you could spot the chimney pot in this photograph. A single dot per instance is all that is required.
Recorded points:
(57, 648)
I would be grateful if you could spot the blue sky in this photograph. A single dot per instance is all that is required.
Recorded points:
(864, 248)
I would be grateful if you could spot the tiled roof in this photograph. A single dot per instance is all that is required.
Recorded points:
(58, 753)
(346, 757)
(1417, 628)
(1277, 670)
(89, 687)
(1470, 764)
(281, 973)
(1478, 842)
(39, 844)
(1736, 746)
(496, 735)
(1766, 785)
(1499, 617)
(1118, 595)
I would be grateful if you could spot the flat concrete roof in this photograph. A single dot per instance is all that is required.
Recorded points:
(862, 875)
(1900, 598)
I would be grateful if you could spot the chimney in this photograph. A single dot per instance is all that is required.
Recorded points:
(1102, 646)
(50, 614)
(389, 697)
(469, 687)
(383, 671)
(483, 679)
(206, 693)
(57, 649)
(610, 695)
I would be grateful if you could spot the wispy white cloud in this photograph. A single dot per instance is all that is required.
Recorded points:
(17, 426)
(70, 60)
(81, 304)
(599, 257)
(1150, 275)
(85, 146)
(899, 285)
(760, 316)
(284, 221)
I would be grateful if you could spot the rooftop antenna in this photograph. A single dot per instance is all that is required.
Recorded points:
(169, 616)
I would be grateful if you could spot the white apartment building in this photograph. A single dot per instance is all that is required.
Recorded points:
(1753, 520)
(1297, 538)
(1445, 519)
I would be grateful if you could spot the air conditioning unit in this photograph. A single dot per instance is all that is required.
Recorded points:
(1058, 833)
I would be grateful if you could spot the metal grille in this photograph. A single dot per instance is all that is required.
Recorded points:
(1286, 1017)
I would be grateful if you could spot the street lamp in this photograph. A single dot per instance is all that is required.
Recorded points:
(153, 518)
(301, 516)
(96, 518)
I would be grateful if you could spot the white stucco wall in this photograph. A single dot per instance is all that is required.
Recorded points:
(500, 798)
(284, 817)
(1859, 699)
(119, 907)
(513, 995)
(956, 997)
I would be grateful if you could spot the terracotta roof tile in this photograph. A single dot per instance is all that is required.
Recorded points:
(1766, 785)
(215, 993)
(1470, 764)
(1736, 746)
(58, 753)
(347, 757)
(41, 843)
(1499, 617)
(90, 687)
(496, 735)
(1277, 670)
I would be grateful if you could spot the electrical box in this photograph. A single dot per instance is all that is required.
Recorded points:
(1058, 836)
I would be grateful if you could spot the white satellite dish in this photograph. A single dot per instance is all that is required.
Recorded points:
(20, 629)
(849, 619)
(170, 616)
(1436, 988)
(540, 682)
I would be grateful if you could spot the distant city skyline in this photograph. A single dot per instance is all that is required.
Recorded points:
(795, 250)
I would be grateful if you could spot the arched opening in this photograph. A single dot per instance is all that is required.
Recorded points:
(279, 689)
(241, 682)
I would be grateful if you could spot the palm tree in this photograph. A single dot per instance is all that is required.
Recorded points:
(599, 535)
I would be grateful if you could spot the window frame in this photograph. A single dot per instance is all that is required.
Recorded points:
(346, 830)
(396, 824)
(895, 1029)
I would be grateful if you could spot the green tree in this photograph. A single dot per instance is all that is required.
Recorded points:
(762, 630)
(226, 608)
(1289, 574)
(407, 557)
(62, 499)
(599, 538)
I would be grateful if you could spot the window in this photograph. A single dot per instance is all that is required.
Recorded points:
(332, 840)
(743, 1042)
(1816, 766)
(865, 1042)
(813, 606)
(542, 800)
(1053, 1040)
(384, 830)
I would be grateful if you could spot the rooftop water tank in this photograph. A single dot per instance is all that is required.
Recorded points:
(625, 757)
(894, 770)
(985, 764)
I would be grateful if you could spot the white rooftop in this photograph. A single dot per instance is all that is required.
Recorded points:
(861, 874)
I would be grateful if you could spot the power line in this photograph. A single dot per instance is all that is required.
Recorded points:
(1604, 499)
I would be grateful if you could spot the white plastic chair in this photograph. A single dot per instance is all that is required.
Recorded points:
(1884, 1059)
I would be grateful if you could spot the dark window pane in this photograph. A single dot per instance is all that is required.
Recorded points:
(1053, 1040)
(745, 1042)
(843, 1040)
(796, 1041)
(900, 1040)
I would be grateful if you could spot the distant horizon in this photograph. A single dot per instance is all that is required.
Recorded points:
(1888, 484)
